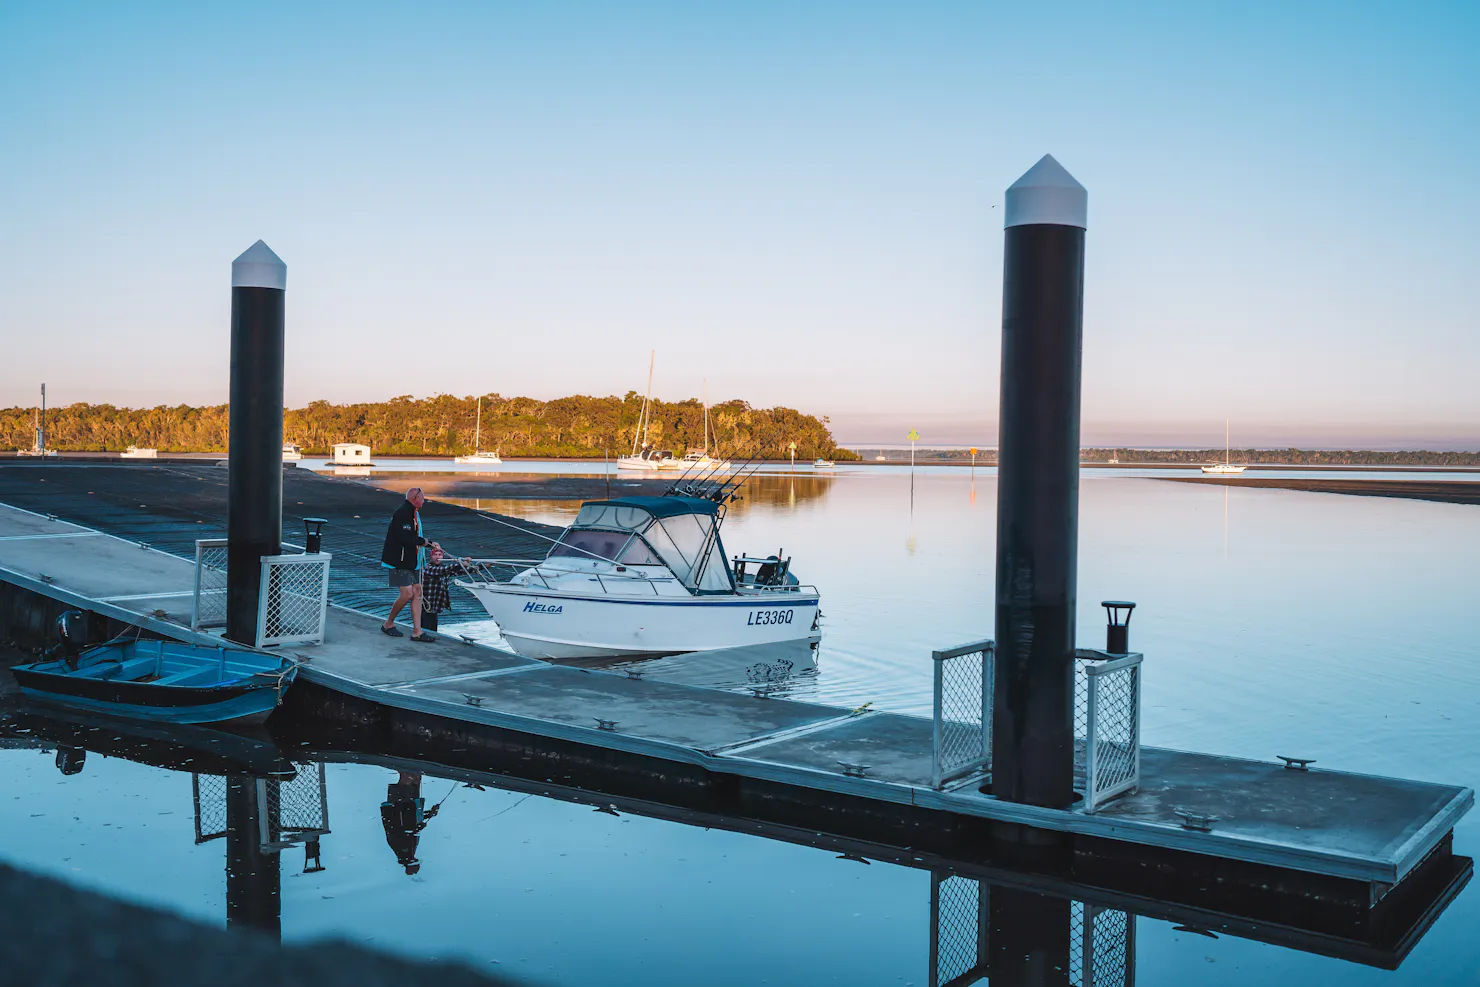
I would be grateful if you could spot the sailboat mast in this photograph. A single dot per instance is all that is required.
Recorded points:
(641, 433)
(1225, 441)
(478, 428)
(706, 416)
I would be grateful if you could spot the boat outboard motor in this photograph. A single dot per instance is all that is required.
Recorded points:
(70, 760)
(72, 635)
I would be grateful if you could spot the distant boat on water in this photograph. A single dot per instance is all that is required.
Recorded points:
(478, 457)
(1224, 468)
(139, 452)
(38, 444)
(292, 453)
(823, 464)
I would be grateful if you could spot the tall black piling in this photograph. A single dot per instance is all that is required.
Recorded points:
(254, 514)
(1038, 487)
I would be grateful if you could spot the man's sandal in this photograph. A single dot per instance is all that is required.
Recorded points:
(390, 631)
(423, 638)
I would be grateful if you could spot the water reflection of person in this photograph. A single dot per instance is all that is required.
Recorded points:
(404, 815)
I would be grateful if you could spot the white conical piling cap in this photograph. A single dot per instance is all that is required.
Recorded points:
(1047, 195)
(259, 267)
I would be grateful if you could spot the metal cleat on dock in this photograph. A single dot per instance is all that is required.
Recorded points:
(144, 545)
(608, 725)
(1202, 822)
(634, 673)
(472, 700)
(1297, 763)
(853, 769)
(48, 580)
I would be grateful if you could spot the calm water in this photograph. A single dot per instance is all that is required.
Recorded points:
(1338, 628)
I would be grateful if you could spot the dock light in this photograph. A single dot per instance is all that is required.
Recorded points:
(1118, 628)
(313, 534)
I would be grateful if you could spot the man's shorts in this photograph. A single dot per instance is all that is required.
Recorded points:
(405, 577)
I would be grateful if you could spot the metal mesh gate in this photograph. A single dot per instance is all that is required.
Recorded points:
(208, 792)
(962, 736)
(290, 813)
(209, 607)
(1107, 724)
(295, 811)
(958, 930)
(294, 600)
(1102, 944)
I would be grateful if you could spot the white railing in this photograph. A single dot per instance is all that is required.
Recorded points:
(293, 602)
(1107, 719)
(1107, 723)
(961, 739)
(208, 608)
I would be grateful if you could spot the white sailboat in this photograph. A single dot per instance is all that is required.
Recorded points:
(485, 458)
(645, 576)
(38, 444)
(1224, 468)
(699, 460)
(642, 457)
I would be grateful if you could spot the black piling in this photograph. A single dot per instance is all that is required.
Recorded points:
(255, 498)
(1038, 487)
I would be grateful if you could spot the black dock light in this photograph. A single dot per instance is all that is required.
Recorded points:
(313, 534)
(1118, 626)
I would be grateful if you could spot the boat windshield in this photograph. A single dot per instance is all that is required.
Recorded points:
(688, 544)
(614, 546)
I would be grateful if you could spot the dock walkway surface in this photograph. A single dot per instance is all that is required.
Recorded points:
(169, 505)
(1340, 825)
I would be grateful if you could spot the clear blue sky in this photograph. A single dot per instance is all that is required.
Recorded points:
(800, 203)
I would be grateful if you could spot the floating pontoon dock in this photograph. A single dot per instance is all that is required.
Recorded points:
(1304, 833)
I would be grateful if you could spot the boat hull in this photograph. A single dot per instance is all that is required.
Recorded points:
(249, 707)
(557, 625)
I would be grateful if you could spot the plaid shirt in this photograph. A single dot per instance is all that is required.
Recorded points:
(435, 580)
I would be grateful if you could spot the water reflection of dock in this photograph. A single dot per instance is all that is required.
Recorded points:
(1375, 851)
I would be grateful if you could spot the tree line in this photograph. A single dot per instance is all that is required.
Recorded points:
(444, 425)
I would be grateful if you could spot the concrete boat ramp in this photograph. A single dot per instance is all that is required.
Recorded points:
(1346, 836)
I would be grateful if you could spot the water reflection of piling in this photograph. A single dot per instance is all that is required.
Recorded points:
(253, 877)
(1038, 487)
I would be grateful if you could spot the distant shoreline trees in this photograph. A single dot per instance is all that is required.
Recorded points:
(573, 427)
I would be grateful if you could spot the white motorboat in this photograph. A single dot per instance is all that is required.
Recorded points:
(644, 576)
(135, 452)
(823, 464)
(477, 457)
(292, 452)
(1224, 468)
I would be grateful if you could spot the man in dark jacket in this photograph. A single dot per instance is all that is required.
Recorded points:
(404, 549)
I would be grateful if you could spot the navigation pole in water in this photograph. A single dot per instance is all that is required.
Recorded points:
(254, 514)
(1038, 487)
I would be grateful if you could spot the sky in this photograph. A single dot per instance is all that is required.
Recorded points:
(799, 204)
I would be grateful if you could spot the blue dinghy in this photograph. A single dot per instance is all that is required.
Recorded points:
(163, 681)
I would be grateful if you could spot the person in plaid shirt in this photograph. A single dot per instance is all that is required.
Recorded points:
(436, 579)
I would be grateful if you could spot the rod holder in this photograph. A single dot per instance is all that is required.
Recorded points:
(1118, 626)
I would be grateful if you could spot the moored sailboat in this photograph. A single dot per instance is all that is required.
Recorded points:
(478, 456)
(1225, 467)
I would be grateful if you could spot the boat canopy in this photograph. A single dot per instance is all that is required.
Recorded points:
(679, 532)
